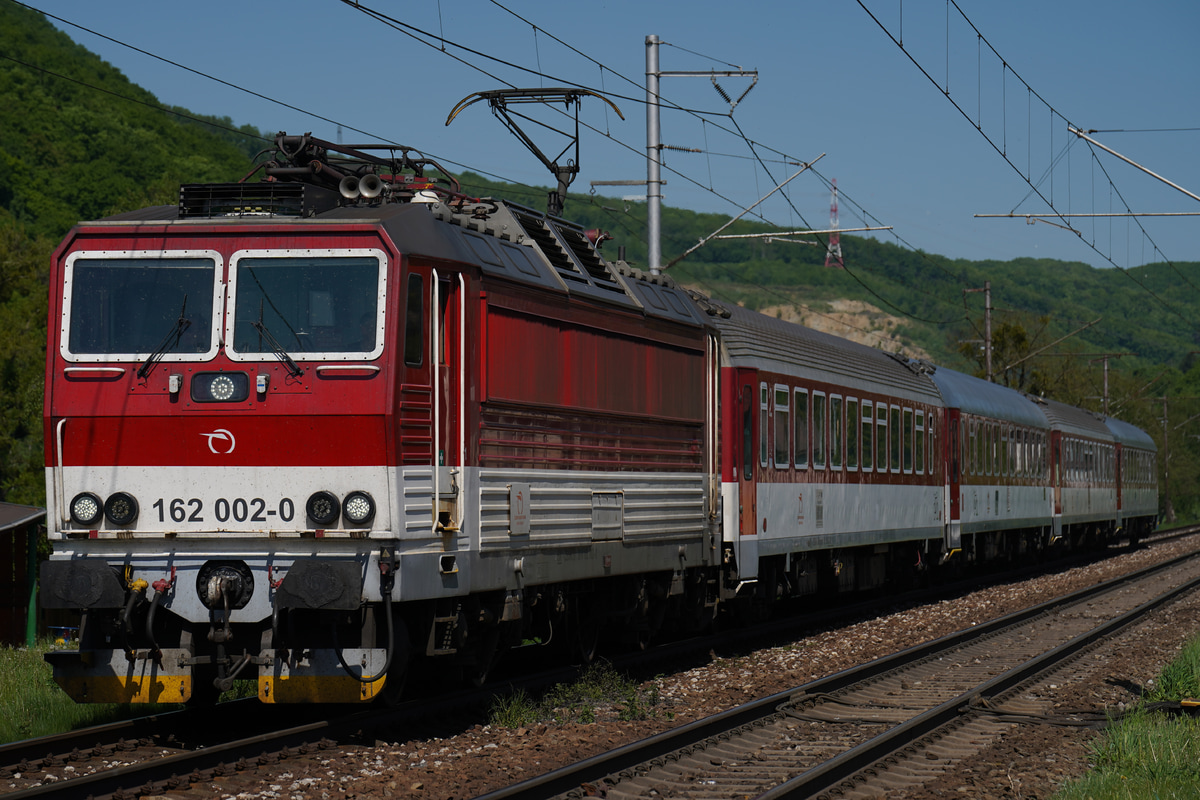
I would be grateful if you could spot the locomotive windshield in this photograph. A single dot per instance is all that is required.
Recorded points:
(127, 306)
(312, 305)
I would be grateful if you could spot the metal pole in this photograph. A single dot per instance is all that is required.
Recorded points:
(1168, 509)
(653, 154)
(1106, 387)
(31, 544)
(987, 328)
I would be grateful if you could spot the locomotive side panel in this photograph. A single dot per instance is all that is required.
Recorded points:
(600, 419)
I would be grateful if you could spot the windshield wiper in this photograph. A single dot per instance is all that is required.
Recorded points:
(176, 333)
(293, 368)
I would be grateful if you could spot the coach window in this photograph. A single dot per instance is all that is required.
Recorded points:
(801, 428)
(920, 442)
(1014, 452)
(782, 429)
(818, 430)
(414, 322)
(1005, 462)
(835, 432)
(763, 400)
(1028, 456)
(931, 442)
(868, 427)
(881, 437)
(1001, 449)
(970, 446)
(997, 450)
(852, 427)
(1022, 461)
(896, 435)
(908, 440)
(1019, 450)
(972, 458)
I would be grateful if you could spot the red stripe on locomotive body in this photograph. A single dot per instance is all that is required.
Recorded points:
(224, 441)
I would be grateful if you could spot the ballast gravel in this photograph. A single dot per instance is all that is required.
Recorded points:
(1031, 761)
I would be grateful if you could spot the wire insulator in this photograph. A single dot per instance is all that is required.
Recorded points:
(721, 91)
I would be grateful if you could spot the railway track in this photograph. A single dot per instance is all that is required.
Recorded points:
(879, 727)
(155, 753)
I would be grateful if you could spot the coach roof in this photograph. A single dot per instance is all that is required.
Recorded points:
(976, 396)
(750, 339)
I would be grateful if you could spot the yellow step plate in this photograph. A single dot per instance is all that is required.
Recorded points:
(317, 689)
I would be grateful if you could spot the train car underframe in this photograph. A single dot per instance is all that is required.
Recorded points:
(320, 642)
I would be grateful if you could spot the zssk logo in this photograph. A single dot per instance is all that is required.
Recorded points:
(223, 436)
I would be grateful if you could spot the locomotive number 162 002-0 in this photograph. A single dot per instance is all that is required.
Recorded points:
(239, 509)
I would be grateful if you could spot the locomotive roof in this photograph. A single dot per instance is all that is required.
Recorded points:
(1130, 435)
(750, 339)
(1070, 419)
(503, 240)
(976, 396)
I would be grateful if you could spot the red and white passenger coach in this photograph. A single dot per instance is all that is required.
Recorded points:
(309, 429)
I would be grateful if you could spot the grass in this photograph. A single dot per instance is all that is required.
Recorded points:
(1148, 755)
(32, 705)
(599, 689)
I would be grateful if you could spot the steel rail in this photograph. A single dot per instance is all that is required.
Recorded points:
(686, 737)
(157, 773)
(844, 766)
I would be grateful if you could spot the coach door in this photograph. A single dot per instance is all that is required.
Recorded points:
(447, 354)
(1118, 480)
(429, 423)
(953, 462)
(749, 406)
(1056, 481)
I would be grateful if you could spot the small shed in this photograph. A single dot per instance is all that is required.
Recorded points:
(19, 528)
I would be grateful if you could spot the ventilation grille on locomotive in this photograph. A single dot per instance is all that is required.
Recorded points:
(568, 260)
(266, 198)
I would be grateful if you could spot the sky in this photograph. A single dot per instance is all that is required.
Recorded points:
(831, 83)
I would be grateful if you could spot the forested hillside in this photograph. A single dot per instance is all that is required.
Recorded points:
(79, 141)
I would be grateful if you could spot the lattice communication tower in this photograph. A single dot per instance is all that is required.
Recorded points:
(833, 253)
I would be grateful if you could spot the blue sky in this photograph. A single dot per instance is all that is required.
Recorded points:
(830, 81)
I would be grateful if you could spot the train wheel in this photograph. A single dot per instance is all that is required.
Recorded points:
(586, 628)
(586, 641)
(487, 653)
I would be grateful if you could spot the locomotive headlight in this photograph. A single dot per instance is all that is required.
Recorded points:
(322, 508)
(121, 508)
(220, 387)
(358, 508)
(86, 509)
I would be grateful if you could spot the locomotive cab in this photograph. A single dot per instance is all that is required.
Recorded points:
(216, 383)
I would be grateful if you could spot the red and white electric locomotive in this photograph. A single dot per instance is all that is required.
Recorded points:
(299, 428)
(307, 429)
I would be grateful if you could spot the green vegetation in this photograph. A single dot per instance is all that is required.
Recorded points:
(78, 141)
(31, 704)
(599, 689)
(1148, 754)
